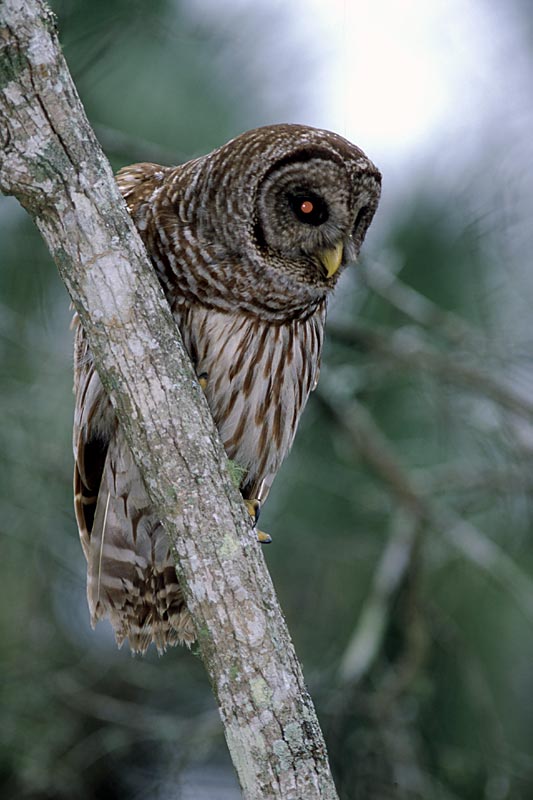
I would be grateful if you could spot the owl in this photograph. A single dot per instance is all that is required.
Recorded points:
(247, 243)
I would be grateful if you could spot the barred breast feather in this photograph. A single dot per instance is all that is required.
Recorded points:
(258, 378)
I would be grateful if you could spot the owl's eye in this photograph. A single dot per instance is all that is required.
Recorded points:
(309, 208)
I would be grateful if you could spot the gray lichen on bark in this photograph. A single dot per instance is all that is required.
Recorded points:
(52, 163)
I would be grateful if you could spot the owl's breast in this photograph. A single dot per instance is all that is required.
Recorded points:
(257, 378)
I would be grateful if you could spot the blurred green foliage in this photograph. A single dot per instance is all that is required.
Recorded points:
(438, 604)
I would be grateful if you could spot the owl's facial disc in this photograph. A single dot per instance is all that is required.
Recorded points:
(306, 214)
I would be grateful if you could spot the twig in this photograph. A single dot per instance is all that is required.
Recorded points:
(369, 442)
(511, 478)
(405, 349)
(385, 283)
(365, 642)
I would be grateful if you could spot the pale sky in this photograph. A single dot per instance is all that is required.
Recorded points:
(400, 65)
(408, 72)
(398, 77)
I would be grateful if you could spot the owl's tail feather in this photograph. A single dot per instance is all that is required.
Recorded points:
(131, 575)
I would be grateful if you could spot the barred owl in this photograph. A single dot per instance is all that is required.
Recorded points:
(247, 242)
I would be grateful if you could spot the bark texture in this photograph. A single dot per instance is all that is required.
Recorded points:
(51, 161)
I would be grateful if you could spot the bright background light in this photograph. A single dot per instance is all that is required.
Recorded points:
(395, 75)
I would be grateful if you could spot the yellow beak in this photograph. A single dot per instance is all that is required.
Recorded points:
(331, 259)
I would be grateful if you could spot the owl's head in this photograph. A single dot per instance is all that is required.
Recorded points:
(283, 210)
(313, 208)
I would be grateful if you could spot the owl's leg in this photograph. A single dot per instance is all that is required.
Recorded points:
(253, 506)
(254, 509)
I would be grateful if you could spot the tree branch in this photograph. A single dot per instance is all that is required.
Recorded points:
(406, 349)
(368, 633)
(369, 442)
(420, 309)
(50, 160)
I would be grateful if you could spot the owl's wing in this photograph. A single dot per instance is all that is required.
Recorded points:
(93, 428)
(131, 575)
(137, 182)
(94, 419)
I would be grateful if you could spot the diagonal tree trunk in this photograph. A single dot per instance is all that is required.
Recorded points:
(51, 161)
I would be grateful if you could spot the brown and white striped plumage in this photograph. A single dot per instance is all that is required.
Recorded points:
(247, 242)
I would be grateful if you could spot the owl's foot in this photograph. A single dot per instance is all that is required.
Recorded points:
(264, 538)
(254, 509)
(202, 380)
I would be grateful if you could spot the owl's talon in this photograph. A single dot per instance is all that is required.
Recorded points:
(202, 380)
(254, 508)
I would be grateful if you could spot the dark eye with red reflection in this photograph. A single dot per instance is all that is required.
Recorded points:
(309, 208)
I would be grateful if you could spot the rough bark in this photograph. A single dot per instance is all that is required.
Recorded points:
(51, 161)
